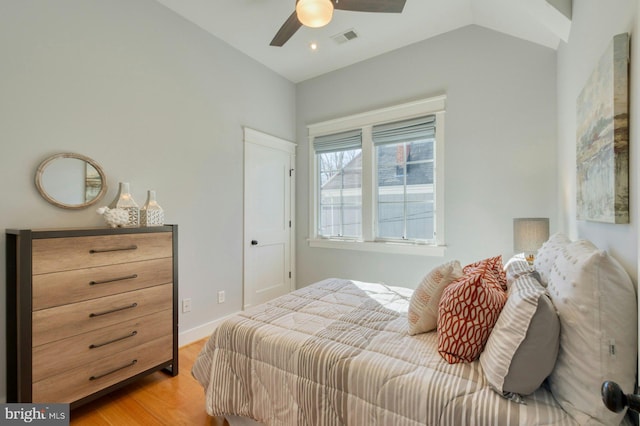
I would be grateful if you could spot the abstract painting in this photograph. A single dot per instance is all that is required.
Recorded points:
(602, 155)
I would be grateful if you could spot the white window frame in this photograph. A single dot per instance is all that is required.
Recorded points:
(366, 121)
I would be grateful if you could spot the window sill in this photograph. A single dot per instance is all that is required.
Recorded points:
(380, 246)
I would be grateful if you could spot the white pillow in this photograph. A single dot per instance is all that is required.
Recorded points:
(516, 267)
(423, 307)
(596, 303)
(523, 346)
(547, 254)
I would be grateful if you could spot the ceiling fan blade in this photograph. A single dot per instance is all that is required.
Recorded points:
(287, 29)
(381, 6)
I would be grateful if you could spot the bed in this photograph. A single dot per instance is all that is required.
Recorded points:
(339, 352)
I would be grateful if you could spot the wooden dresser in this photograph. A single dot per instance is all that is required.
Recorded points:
(89, 310)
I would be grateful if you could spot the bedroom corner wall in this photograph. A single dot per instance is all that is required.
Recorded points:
(157, 102)
(594, 25)
(500, 144)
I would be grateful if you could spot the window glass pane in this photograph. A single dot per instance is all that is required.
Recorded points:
(340, 178)
(331, 221)
(352, 220)
(390, 219)
(405, 190)
(420, 221)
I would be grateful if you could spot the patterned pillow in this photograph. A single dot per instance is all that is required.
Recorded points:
(547, 255)
(468, 310)
(492, 265)
(423, 307)
(596, 303)
(523, 346)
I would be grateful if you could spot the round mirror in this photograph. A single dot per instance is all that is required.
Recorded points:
(70, 181)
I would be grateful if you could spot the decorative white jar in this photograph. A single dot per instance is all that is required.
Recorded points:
(151, 214)
(125, 201)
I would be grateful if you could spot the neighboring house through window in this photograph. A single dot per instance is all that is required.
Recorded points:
(339, 169)
(377, 180)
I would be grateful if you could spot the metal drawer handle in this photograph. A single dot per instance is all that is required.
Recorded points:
(92, 315)
(128, 277)
(99, 345)
(92, 251)
(131, 364)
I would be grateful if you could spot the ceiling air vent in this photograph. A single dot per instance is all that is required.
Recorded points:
(345, 36)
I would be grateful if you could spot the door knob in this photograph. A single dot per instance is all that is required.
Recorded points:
(254, 242)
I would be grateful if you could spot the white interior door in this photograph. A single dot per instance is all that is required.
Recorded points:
(268, 217)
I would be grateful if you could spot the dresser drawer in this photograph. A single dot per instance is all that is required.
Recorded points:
(62, 355)
(61, 288)
(69, 320)
(64, 254)
(94, 376)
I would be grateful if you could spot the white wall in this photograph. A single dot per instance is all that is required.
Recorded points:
(500, 143)
(594, 25)
(161, 104)
(157, 102)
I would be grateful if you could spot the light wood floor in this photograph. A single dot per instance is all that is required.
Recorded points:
(157, 399)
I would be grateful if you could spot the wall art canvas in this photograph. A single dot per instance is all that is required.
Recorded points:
(603, 138)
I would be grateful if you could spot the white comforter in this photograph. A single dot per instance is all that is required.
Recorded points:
(338, 353)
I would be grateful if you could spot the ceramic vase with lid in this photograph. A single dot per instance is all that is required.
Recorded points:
(151, 214)
(124, 200)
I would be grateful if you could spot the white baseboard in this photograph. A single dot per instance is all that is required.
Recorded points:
(199, 332)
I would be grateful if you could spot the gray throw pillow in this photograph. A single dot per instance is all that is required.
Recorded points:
(536, 356)
(523, 346)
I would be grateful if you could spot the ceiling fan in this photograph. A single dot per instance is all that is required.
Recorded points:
(318, 13)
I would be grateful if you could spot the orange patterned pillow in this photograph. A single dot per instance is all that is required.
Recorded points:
(468, 310)
(492, 270)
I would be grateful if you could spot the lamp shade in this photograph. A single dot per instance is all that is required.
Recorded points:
(314, 13)
(529, 234)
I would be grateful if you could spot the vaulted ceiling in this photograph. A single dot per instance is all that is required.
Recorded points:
(250, 25)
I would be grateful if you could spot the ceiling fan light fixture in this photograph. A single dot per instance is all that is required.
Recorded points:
(314, 13)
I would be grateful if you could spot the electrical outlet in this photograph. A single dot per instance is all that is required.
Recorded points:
(221, 296)
(186, 305)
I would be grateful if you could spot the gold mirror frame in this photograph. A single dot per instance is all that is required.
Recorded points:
(40, 184)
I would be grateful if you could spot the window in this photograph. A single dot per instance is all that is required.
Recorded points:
(339, 169)
(404, 190)
(376, 183)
